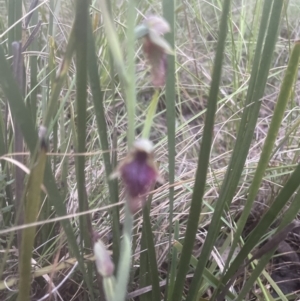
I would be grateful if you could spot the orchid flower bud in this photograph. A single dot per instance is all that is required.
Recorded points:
(139, 173)
(104, 264)
(156, 48)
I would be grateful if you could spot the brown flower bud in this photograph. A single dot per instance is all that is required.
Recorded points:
(156, 48)
(104, 264)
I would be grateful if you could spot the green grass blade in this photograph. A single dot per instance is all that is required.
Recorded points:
(59, 81)
(80, 26)
(102, 131)
(270, 216)
(288, 218)
(151, 252)
(174, 261)
(33, 72)
(32, 207)
(278, 115)
(129, 83)
(12, 92)
(144, 276)
(14, 14)
(195, 285)
(11, 20)
(212, 280)
(29, 132)
(125, 257)
(203, 161)
(254, 275)
(80, 32)
(169, 15)
(248, 110)
(150, 115)
(148, 259)
(113, 42)
(245, 137)
(246, 128)
(130, 89)
(18, 70)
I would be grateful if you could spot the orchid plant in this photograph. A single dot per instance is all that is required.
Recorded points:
(138, 170)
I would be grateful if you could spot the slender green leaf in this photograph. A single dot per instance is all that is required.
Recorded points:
(19, 74)
(113, 41)
(33, 72)
(85, 224)
(242, 143)
(102, 131)
(12, 92)
(144, 274)
(269, 217)
(212, 280)
(130, 93)
(59, 80)
(245, 134)
(174, 261)
(267, 256)
(32, 207)
(125, 257)
(150, 115)
(203, 161)
(169, 15)
(80, 26)
(278, 114)
(151, 252)
(23, 117)
(130, 89)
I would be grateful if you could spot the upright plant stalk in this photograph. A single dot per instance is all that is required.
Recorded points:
(123, 270)
(148, 263)
(19, 73)
(130, 89)
(144, 276)
(15, 46)
(125, 257)
(150, 115)
(169, 15)
(33, 71)
(81, 94)
(98, 101)
(81, 31)
(150, 252)
(203, 161)
(114, 43)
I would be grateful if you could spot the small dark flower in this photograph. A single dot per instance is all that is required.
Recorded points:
(139, 173)
(156, 48)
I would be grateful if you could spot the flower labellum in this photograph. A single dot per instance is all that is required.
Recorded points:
(139, 173)
(156, 48)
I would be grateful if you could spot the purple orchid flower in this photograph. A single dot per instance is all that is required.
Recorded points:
(139, 173)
